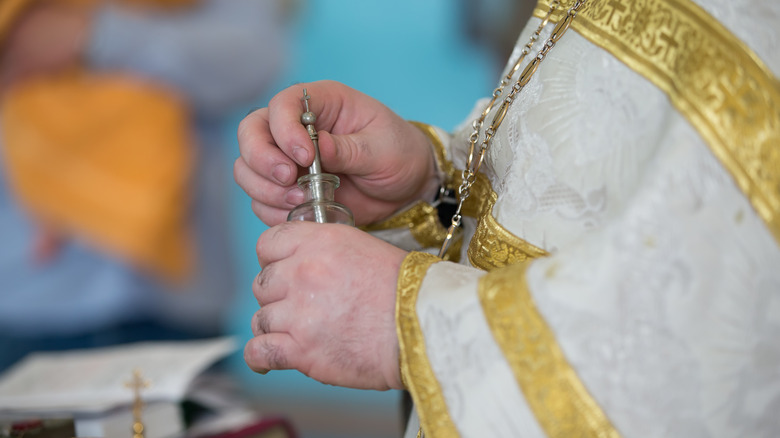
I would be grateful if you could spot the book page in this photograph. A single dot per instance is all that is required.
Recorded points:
(98, 379)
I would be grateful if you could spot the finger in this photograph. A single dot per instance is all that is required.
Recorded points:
(261, 322)
(344, 153)
(266, 192)
(285, 109)
(260, 152)
(281, 241)
(265, 289)
(274, 351)
(377, 152)
(273, 318)
(269, 215)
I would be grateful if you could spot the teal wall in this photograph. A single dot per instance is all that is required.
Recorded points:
(411, 55)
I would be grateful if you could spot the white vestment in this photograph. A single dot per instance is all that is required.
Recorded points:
(660, 281)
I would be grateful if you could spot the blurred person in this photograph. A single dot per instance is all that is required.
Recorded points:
(113, 200)
(615, 268)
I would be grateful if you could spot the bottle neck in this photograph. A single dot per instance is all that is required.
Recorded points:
(319, 187)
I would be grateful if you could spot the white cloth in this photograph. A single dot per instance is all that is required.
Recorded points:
(663, 284)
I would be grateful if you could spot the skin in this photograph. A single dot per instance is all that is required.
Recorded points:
(327, 291)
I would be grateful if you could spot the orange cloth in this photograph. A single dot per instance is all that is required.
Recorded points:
(103, 157)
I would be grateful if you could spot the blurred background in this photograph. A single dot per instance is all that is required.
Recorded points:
(118, 130)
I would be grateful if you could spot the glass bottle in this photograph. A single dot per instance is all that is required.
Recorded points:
(319, 206)
(318, 187)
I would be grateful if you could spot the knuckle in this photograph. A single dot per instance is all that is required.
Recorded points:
(282, 233)
(273, 354)
(258, 285)
(260, 354)
(264, 278)
(261, 285)
(259, 250)
(261, 323)
(252, 356)
(310, 270)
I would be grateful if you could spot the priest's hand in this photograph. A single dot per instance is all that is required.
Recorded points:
(327, 296)
(383, 161)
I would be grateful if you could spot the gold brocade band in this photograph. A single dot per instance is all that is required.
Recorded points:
(559, 401)
(422, 221)
(724, 90)
(493, 246)
(416, 371)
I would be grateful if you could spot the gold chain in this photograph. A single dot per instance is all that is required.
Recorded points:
(469, 174)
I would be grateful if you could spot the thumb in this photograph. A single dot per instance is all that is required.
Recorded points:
(346, 154)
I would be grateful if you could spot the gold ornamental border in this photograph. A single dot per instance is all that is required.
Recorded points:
(560, 402)
(493, 246)
(416, 371)
(719, 84)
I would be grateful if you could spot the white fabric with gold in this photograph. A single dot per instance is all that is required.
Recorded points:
(649, 303)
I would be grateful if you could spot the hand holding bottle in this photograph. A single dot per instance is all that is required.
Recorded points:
(383, 162)
(328, 294)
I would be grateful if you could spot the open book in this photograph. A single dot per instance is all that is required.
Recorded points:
(95, 387)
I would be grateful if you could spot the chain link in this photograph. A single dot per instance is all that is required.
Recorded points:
(469, 174)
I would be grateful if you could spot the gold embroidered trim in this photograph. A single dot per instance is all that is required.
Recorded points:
(493, 246)
(416, 372)
(721, 86)
(558, 399)
(422, 221)
(442, 161)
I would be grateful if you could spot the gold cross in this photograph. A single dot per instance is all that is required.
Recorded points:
(137, 384)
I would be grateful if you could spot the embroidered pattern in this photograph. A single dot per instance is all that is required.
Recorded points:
(416, 371)
(560, 402)
(493, 246)
(722, 87)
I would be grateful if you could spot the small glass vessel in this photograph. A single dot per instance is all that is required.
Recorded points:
(319, 205)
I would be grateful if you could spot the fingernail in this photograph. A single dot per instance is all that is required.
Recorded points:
(294, 196)
(282, 173)
(301, 155)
